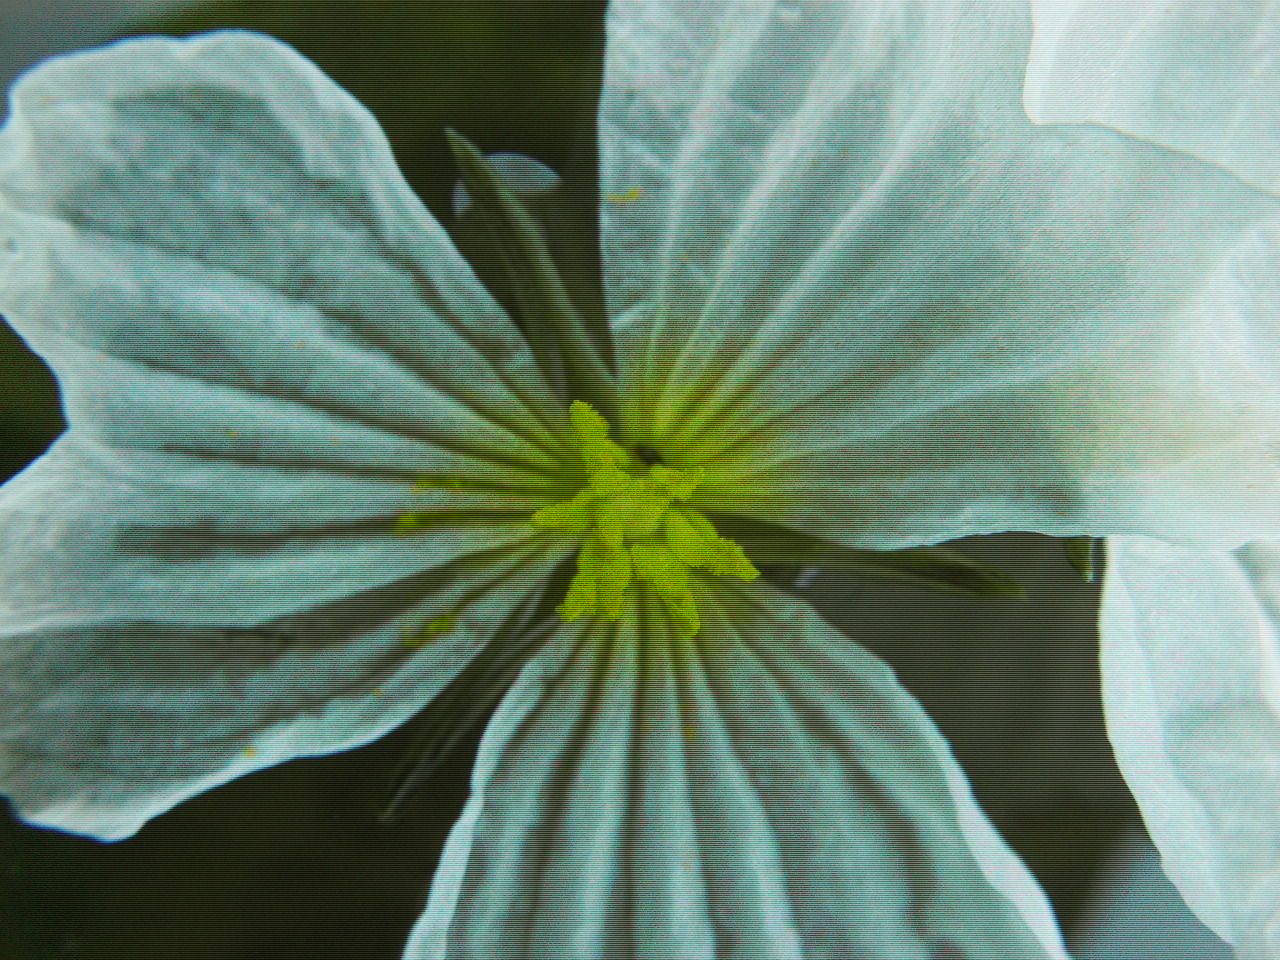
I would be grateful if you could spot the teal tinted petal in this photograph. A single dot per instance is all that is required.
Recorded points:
(268, 350)
(1191, 679)
(216, 223)
(294, 413)
(1200, 76)
(877, 302)
(768, 790)
(108, 719)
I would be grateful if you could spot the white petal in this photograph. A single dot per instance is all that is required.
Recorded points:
(109, 718)
(876, 301)
(766, 790)
(1191, 672)
(269, 354)
(1200, 76)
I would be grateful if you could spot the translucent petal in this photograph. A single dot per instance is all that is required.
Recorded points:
(1200, 76)
(1191, 680)
(288, 399)
(876, 301)
(767, 790)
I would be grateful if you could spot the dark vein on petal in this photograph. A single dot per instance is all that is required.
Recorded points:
(394, 429)
(207, 650)
(218, 269)
(431, 298)
(207, 538)
(569, 760)
(297, 463)
(671, 735)
(766, 428)
(542, 845)
(919, 871)
(513, 562)
(711, 719)
(372, 337)
(536, 489)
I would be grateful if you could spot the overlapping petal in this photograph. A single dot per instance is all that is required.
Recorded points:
(767, 790)
(293, 411)
(879, 303)
(1191, 674)
(1200, 76)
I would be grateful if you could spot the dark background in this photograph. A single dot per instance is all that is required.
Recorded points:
(293, 862)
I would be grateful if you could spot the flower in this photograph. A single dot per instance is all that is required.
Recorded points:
(312, 470)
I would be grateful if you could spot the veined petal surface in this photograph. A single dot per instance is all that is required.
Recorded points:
(294, 415)
(108, 719)
(767, 791)
(876, 301)
(1191, 684)
(1201, 76)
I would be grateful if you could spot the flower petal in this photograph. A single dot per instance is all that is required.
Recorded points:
(259, 335)
(207, 223)
(879, 303)
(294, 415)
(1200, 76)
(768, 790)
(109, 717)
(1191, 683)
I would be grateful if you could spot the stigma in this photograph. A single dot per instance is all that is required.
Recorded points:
(636, 528)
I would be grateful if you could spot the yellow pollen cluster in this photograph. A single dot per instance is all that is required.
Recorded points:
(636, 529)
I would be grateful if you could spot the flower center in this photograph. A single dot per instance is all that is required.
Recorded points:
(636, 529)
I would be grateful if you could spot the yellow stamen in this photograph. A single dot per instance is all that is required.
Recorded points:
(636, 530)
